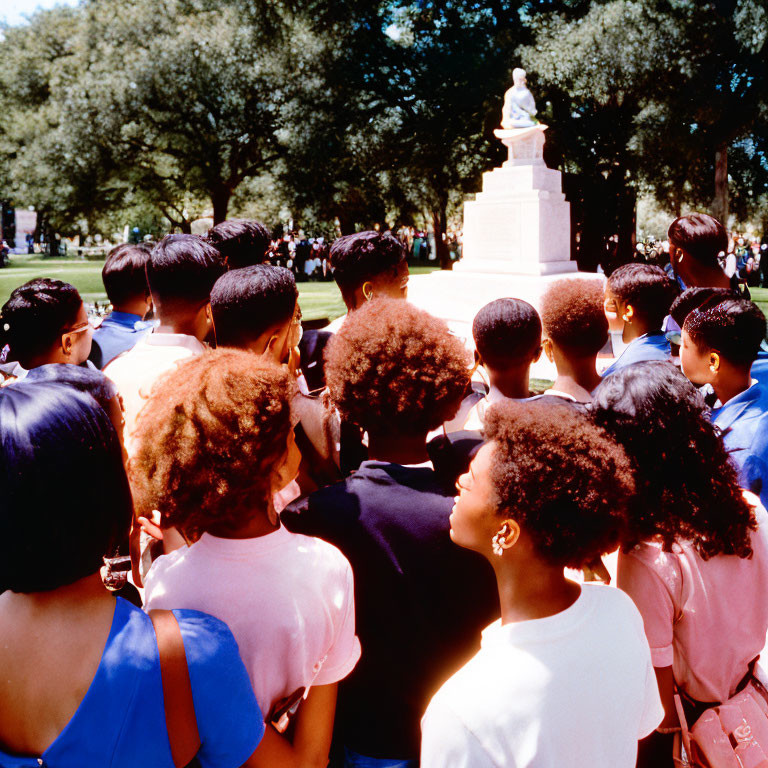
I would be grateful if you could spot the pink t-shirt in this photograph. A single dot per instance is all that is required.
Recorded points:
(706, 618)
(288, 599)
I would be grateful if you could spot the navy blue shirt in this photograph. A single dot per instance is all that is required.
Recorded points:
(118, 332)
(421, 601)
(743, 421)
(649, 346)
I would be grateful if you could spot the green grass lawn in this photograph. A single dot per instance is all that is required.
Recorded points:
(317, 299)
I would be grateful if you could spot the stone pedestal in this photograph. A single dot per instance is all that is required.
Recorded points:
(520, 223)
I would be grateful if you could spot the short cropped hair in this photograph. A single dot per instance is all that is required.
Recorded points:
(182, 270)
(695, 298)
(395, 369)
(734, 327)
(36, 314)
(562, 477)
(363, 256)
(124, 273)
(208, 439)
(573, 317)
(241, 242)
(249, 301)
(701, 236)
(687, 489)
(65, 502)
(506, 332)
(647, 288)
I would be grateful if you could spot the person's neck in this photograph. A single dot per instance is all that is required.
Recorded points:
(577, 377)
(710, 277)
(514, 383)
(83, 596)
(530, 589)
(253, 527)
(398, 449)
(636, 329)
(732, 384)
(137, 307)
(184, 326)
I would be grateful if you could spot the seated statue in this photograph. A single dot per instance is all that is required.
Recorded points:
(519, 107)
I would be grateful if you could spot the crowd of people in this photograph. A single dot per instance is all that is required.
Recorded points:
(227, 541)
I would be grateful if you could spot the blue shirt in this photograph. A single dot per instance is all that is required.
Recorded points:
(743, 421)
(120, 722)
(649, 346)
(118, 332)
(760, 368)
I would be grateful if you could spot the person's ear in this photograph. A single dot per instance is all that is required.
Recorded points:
(275, 347)
(506, 537)
(66, 344)
(537, 355)
(628, 314)
(714, 362)
(548, 351)
(367, 291)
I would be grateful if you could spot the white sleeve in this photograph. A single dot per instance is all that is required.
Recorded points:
(446, 742)
(653, 710)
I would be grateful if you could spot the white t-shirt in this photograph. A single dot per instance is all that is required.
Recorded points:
(288, 599)
(135, 371)
(576, 689)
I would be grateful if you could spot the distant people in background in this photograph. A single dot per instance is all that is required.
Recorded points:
(213, 445)
(43, 321)
(564, 678)
(397, 373)
(368, 265)
(257, 308)
(575, 330)
(641, 294)
(695, 243)
(507, 335)
(719, 346)
(181, 272)
(81, 682)
(241, 242)
(125, 282)
(695, 555)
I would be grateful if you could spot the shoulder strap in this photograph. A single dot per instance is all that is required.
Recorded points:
(180, 719)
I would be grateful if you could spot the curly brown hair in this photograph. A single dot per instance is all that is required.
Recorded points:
(208, 439)
(573, 317)
(395, 369)
(562, 477)
(687, 487)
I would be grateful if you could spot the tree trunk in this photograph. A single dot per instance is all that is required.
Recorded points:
(439, 219)
(185, 227)
(720, 203)
(220, 199)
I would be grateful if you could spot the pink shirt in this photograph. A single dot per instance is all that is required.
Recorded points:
(288, 599)
(706, 618)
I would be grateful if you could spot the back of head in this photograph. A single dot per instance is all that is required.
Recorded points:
(65, 502)
(181, 272)
(687, 488)
(562, 477)
(208, 440)
(241, 242)
(507, 332)
(692, 298)
(35, 315)
(248, 302)
(701, 236)
(573, 317)
(734, 327)
(364, 256)
(647, 288)
(124, 273)
(395, 369)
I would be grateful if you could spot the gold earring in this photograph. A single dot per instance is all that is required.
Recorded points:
(713, 368)
(625, 318)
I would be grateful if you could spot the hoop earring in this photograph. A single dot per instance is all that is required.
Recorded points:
(625, 318)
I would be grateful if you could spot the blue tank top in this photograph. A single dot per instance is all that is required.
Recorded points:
(120, 722)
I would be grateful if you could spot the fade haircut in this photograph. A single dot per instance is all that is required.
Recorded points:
(181, 271)
(241, 242)
(701, 236)
(573, 317)
(507, 332)
(35, 315)
(124, 274)
(696, 298)
(735, 328)
(363, 256)
(647, 288)
(247, 302)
